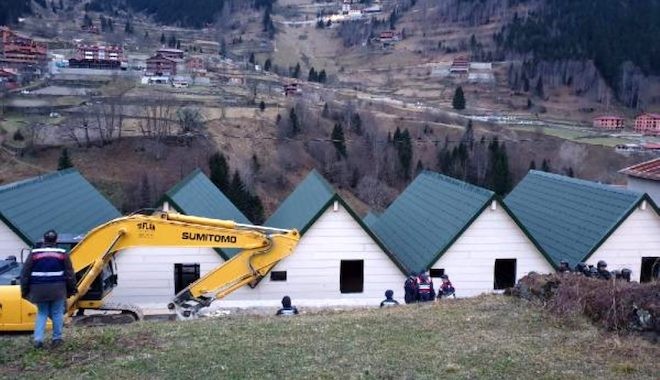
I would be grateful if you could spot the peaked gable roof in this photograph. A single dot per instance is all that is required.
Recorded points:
(64, 201)
(430, 214)
(570, 218)
(197, 195)
(310, 199)
(302, 207)
(371, 218)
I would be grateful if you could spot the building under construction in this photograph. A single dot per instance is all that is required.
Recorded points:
(20, 52)
(109, 57)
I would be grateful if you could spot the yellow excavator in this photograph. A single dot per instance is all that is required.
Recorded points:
(92, 259)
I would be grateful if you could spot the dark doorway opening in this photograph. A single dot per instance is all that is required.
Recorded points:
(505, 273)
(351, 276)
(650, 269)
(184, 275)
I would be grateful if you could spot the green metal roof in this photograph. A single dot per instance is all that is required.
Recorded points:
(428, 217)
(63, 201)
(309, 201)
(197, 195)
(303, 206)
(569, 218)
(371, 218)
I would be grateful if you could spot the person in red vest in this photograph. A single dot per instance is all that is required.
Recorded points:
(425, 288)
(47, 279)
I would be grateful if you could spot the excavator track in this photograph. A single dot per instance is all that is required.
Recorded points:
(118, 314)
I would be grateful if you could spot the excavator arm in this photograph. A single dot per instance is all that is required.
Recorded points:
(261, 248)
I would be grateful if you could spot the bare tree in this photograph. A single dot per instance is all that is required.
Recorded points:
(157, 123)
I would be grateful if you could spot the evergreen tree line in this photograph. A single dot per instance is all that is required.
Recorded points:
(196, 13)
(609, 32)
(234, 187)
(11, 10)
(481, 164)
(319, 77)
(404, 150)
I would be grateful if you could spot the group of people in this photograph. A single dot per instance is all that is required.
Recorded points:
(599, 271)
(419, 288)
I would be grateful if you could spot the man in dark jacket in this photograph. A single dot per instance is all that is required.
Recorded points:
(287, 309)
(389, 300)
(410, 289)
(47, 279)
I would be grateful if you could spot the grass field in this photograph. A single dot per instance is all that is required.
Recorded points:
(485, 337)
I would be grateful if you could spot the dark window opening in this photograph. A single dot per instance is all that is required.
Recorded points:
(184, 275)
(278, 275)
(505, 273)
(650, 269)
(436, 273)
(351, 276)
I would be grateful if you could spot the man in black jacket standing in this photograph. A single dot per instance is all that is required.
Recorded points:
(47, 279)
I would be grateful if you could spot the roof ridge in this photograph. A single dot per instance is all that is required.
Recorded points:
(458, 183)
(586, 183)
(179, 185)
(321, 179)
(32, 180)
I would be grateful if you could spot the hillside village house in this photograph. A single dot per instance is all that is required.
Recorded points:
(63, 201)
(160, 65)
(150, 277)
(648, 124)
(445, 226)
(609, 122)
(645, 178)
(338, 260)
(582, 221)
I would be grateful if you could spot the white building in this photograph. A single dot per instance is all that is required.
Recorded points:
(581, 221)
(338, 260)
(445, 226)
(62, 200)
(150, 277)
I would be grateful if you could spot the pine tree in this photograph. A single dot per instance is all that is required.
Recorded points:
(326, 112)
(570, 172)
(532, 165)
(545, 166)
(295, 125)
(420, 167)
(219, 171)
(236, 192)
(322, 76)
(128, 28)
(312, 77)
(296, 71)
(459, 99)
(501, 173)
(403, 145)
(145, 192)
(539, 88)
(64, 162)
(267, 65)
(162, 38)
(338, 141)
(251, 59)
(262, 106)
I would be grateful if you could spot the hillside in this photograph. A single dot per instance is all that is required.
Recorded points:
(486, 337)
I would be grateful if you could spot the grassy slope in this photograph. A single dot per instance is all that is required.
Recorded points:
(486, 337)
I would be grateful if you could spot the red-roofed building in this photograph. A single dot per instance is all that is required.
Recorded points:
(645, 177)
(17, 51)
(170, 53)
(160, 65)
(98, 57)
(648, 124)
(460, 65)
(609, 122)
